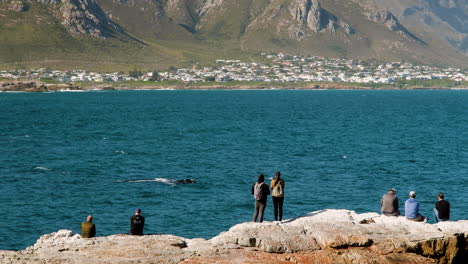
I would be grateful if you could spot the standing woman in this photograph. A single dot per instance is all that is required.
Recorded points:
(277, 187)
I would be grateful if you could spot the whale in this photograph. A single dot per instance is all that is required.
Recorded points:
(164, 180)
(186, 181)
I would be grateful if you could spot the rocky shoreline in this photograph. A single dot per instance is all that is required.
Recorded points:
(326, 236)
(37, 86)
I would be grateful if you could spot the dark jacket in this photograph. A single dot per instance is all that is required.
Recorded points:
(265, 191)
(443, 207)
(137, 223)
(88, 230)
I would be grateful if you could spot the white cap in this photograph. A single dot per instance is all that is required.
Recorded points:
(412, 193)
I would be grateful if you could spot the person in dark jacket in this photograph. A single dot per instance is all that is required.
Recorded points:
(442, 209)
(88, 229)
(137, 223)
(260, 192)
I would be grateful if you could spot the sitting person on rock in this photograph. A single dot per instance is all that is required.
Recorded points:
(137, 223)
(389, 204)
(442, 209)
(88, 229)
(412, 209)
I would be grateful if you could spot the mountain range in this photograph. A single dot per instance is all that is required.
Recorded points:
(156, 34)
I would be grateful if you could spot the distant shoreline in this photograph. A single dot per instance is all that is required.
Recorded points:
(37, 86)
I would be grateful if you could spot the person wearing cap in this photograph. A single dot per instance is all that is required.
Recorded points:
(88, 229)
(442, 209)
(412, 209)
(137, 223)
(389, 204)
(260, 191)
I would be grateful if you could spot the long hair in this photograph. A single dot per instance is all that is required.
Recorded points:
(276, 179)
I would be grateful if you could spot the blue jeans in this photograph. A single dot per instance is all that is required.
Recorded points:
(436, 218)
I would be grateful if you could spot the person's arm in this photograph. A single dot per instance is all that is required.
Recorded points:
(252, 189)
(93, 230)
(395, 203)
(266, 189)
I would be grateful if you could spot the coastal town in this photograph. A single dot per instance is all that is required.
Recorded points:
(277, 68)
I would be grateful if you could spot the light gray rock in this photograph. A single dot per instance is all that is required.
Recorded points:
(327, 236)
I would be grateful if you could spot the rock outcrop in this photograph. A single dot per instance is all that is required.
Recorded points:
(86, 17)
(376, 13)
(35, 86)
(328, 236)
(311, 14)
(80, 17)
(18, 6)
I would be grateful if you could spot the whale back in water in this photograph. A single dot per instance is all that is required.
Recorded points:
(186, 181)
(164, 180)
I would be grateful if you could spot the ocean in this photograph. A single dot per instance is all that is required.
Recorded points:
(66, 155)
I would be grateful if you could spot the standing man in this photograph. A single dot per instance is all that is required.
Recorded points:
(277, 193)
(442, 209)
(412, 209)
(260, 192)
(389, 204)
(88, 229)
(137, 223)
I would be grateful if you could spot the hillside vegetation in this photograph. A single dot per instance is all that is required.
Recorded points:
(109, 35)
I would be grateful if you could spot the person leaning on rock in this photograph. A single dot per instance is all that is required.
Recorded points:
(412, 209)
(442, 209)
(389, 204)
(260, 191)
(88, 229)
(137, 223)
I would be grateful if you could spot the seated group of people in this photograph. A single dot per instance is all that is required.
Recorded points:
(137, 223)
(389, 207)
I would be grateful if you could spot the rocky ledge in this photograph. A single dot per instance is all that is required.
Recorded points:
(327, 236)
(37, 86)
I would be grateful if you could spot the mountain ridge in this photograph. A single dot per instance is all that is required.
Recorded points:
(189, 31)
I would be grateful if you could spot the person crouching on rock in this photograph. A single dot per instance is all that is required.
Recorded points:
(88, 229)
(389, 204)
(260, 192)
(412, 209)
(137, 223)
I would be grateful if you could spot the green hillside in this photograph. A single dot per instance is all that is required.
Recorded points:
(35, 38)
(157, 34)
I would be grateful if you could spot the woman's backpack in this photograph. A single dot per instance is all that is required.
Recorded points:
(278, 190)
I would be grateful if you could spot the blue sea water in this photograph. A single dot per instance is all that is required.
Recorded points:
(66, 155)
